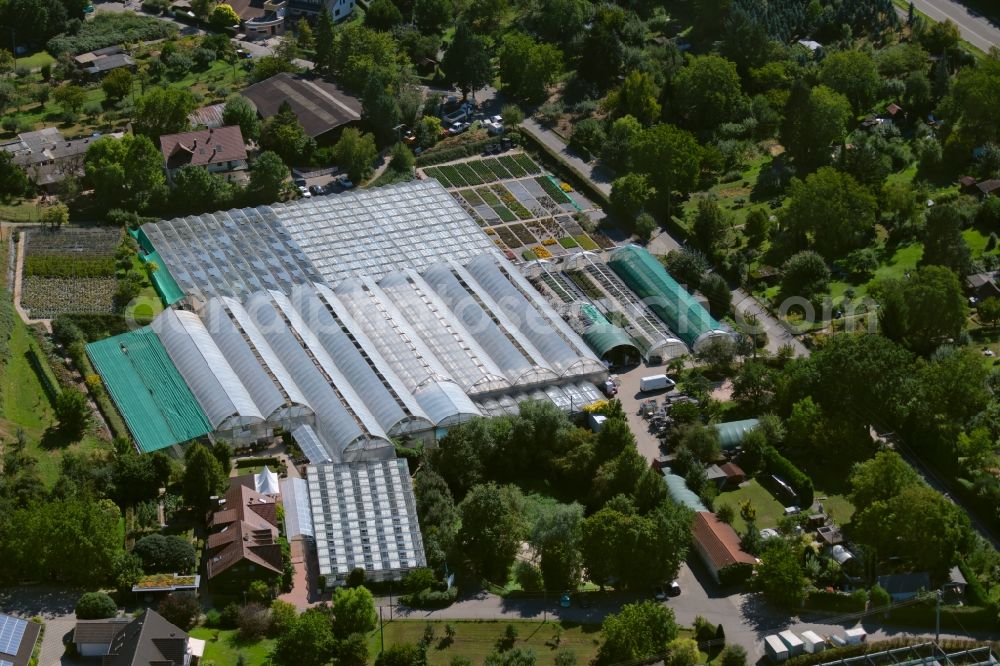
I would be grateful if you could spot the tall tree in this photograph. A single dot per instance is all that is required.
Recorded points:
(353, 611)
(325, 30)
(163, 111)
(831, 212)
(203, 477)
(814, 120)
(637, 97)
(380, 112)
(430, 16)
(780, 575)
(638, 631)
(125, 173)
(240, 111)
(671, 157)
(467, 63)
(283, 134)
(308, 642)
(355, 153)
(880, 478)
(708, 92)
(853, 75)
(492, 528)
(944, 244)
(383, 15)
(528, 67)
(268, 175)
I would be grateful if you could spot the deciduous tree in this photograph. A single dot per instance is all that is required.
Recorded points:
(492, 528)
(355, 153)
(240, 111)
(163, 111)
(528, 67)
(203, 477)
(853, 75)
(830, 212)
(707, 92)
(639, 630)
(268, 174)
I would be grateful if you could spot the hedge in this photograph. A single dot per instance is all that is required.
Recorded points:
(430, 598)
(836, 601)
(270, 461)
(954, 618)
(779, 465)
(432, 156)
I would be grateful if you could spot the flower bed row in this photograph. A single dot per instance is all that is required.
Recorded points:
(511, 165)
(553, 190)
(523, 234)
(46, 297)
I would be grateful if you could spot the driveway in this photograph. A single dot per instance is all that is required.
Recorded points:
(55, 606)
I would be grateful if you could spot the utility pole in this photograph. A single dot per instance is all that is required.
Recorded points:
(937, 618)
(381, 631)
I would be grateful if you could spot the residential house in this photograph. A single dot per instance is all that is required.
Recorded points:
(49, 158)
(93, 638)
(100, 62)
(988, 187)
(982, 285)
(149, 640)
(717, 544)
(243, 544)
(902, 587)
(207, 116)
(321, 107)
(339, 9)
(220, 150)
(17, 640)
(967, 185)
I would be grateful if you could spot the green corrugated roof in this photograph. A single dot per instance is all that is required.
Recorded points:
(731, 433)
(672, 303)
(602, 335)
(150, 393)
(163, 281)
(680, 493)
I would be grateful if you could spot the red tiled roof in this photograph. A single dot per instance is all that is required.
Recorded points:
(247, 529)
(203, 147)
(731, 470)
(719, 541)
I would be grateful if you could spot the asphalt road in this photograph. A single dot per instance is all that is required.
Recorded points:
(977, 30)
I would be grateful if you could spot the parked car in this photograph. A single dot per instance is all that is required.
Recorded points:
(317, 190)
(299, 181)
(674, 589)
(659, 593)
(345, 182)
(304, 191)
(458, 128)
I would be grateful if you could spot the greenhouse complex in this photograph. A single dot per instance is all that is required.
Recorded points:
(348, 320)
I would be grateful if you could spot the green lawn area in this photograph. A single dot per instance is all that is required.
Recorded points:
(222, 647)
(476, 640)
(22, 211)
(35, 60)
(26, 406)
(768, 508)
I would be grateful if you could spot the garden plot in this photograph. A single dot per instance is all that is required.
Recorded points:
(69, 270)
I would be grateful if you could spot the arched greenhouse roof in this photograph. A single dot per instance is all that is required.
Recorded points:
(731, 433)
(663, 295)
(602, 335)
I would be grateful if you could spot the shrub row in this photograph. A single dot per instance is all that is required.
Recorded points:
(65, 266)
(735, 574)
(779, 465)
(430, 599)
(88, 327)
(110, 29)
(955, 618)
(270, 461)
(837, 601)
(975, 593)
(458, 152)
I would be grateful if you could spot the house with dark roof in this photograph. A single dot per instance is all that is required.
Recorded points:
(47, 157)
(988, 187)
(243, 544)
(220, 150)
(148, 640)
(17, 640)
(718, 544)
(322, 108)
(902, 587)
(100, 62)
(982, 285)
(93, 638)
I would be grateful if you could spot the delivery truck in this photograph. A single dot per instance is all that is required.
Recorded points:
(655, 383)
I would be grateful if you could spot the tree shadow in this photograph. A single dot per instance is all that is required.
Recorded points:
(56, 437)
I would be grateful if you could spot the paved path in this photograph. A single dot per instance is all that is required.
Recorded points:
(599, 177)
(977, 30)
(55, 606)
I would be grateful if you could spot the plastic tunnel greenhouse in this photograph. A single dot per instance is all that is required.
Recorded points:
(608, 341)
(685, 316)
(731, 433)
(680, 493)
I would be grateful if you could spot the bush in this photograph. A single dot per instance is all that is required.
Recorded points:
(95, 606)
(735, 574)
(108, 29)
(529, 577)
(418, 579)
(975, 593)
(356, 578)
(230, 616)
(836, 601)
(181, 609)
(213, 619)
(703, 629)
(879, 597)
(165, 554)
(733, 655)
(254, 622)
(430, 598)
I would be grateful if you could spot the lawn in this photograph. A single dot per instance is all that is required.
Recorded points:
(768, 508)
(476, 640)
(222, 646)
(26, 406)
(36, 60)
